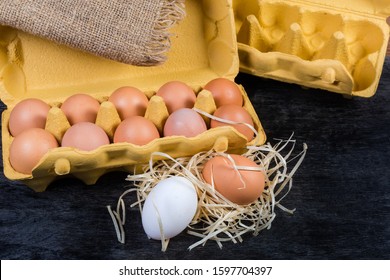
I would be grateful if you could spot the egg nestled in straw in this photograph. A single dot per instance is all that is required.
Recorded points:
(169, 208)
(237, 178)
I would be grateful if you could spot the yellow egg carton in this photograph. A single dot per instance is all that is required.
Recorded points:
(204, 47)
(339, 46)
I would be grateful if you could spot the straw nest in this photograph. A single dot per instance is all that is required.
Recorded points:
(217, 219)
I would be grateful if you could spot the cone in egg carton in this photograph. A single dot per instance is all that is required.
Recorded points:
(335, 46)
(203, 49)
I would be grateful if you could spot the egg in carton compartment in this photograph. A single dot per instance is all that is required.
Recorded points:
(203, 48)
(338, 46)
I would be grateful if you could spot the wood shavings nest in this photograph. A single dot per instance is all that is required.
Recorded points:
(218, 219)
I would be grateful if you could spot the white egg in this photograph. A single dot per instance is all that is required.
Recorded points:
(173, 203)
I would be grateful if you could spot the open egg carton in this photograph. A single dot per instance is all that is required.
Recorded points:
(339, 46)
(203, 48)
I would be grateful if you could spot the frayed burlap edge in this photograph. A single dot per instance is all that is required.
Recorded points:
(172, 12)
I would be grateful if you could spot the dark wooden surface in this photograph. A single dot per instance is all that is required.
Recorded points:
(388, 46)
(388, 50)
(341, 192)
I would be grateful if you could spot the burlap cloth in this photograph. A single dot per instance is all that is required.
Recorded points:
(130, 31)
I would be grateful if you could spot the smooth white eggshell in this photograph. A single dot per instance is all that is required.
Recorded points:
(174, 201)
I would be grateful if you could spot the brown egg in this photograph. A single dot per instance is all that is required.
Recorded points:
(129, 101)
(28, 113)
(136, 130)
(80, 108)
(177, 95)
(225, 92)
(234, 113)
(28, 147)
(85, 136)
(239, 186)
(184, 122)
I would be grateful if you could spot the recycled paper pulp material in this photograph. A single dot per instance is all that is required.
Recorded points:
(203, 48)
(339, 46)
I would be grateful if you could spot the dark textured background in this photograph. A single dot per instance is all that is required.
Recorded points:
(341, 192)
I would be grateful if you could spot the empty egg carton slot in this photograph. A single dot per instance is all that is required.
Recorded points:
(311, 46)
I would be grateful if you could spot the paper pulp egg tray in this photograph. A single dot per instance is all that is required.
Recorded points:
(339, 46)
(204, 47)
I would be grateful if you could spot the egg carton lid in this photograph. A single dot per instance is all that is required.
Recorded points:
(203, 47)
(380, 8)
